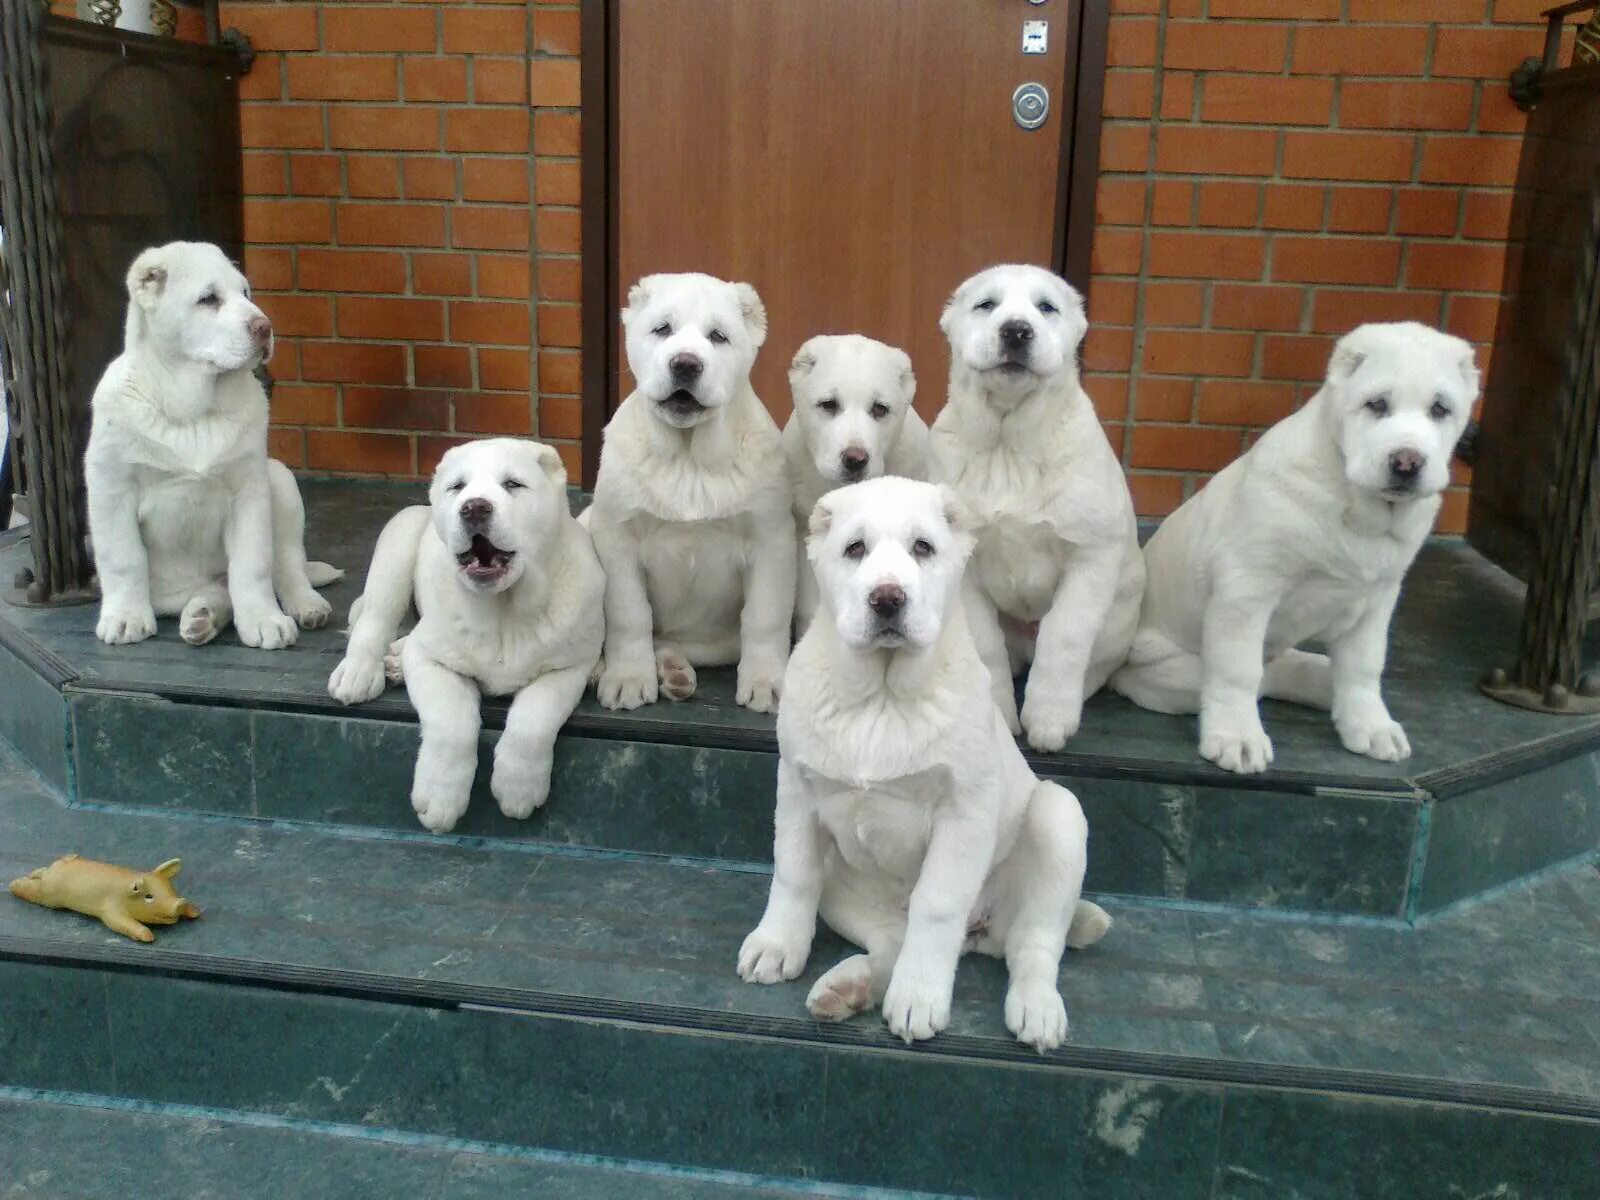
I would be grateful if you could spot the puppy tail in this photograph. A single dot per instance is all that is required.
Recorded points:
(1090, 923)
(321, 574)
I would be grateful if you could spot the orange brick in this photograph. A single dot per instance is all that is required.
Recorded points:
(393, 319)
(1481, 160)
(1207, 255)
(263, 174)
(504, 179)
(1370, 105)
(298, 316)
(1287, 356)
(343, 77)
(1193, 352)
(316, 175)
(1237, 402)
(1293, 206)
(369, 453)
(1353, 50)
(1236, 306)
(1338, 312)
(1171, 202)
(571, 459)
(1112, 301)
(442, 366)
(1304, 10)
(560, 279)
(557, 133)
(1415, 12)
(558, 230)
(383, 128)
(1336, 260)
(280, 126)
(1123, 147)
(269, 268)
(1484, 53)
(1119, 201)
(1224, 46)
(368, 29)
(396, 408)
(1473, 317)
(1359, 210)
(1108, 394)
(286, 221)
(352, 362)
(1456, 266)
(351, 270)
(559, 325)
(1184, 447)
(1498, 113)
(1174, 304)
(1432, 211)
(1178, 92)
(1108, 348)
(489, 323)
(554, 83)
(1486, 215)
(1164, 399)
(484, 30)
(431, 449)
(304, 404)
(505, 276)
(373, 176)
(428, 178)
(1116, 436)
(1229, 205)
(506, 369)
(286, 359)
(504, 413)
(1453, 512)
(556, 31)
(494, 130)
(1116, 252)
(1155, 495)
(1131, 42)
(1209, 151)
(1129, 94)
(265, 81)
(442, 274)
(390, 224)
(275, 26)
(1255, 100)
(1370, 156)
(288, 446)
(437, 79)
(499, 81)
(485, 228)
(560, 417)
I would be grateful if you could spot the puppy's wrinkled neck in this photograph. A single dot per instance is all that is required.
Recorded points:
(904, 673)
(995, 409)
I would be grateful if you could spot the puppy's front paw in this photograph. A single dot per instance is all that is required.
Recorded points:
(758, 689)
(267, 631)
(1239, 744)
(1036, 1013)
(770, 954)
(438, 808)
(916, 1006)
(1380, 738)
(121, 624)
(627, 685)
(309, 611)
(1050, 720)
(356, 680)
(520, 786)
(394, 668)
(843, 992)
(198, 624)
(676, 675)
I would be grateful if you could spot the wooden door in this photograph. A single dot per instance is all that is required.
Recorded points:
(853, 159)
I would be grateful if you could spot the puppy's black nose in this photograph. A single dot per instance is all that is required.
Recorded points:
(1015, 334)
(1405, 465)
(260, 330)
(686, 368)
(853, 462)
(887, 599)
(476, 511)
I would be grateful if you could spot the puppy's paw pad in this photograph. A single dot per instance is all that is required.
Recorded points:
(677, 677)
(119, 627)
(915, 1012)
(275, 631)
(769, 955)
(394, 669)
(198, 626)
(1385, 740)
(843, 992)
(1037, 1015)
(310, 612)
(1241, 753)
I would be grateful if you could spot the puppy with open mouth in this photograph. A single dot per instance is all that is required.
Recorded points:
(906, 815)
(509, 591)
(691, 509)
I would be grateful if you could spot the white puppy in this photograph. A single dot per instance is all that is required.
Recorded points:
(691, 509)
(1306, 536)
(906, 814)
(1056, 578)
(508, 592)
(852, 420)
(187, 514)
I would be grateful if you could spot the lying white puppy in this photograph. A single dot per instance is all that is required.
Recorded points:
(691, 508)
(509, 592)
(187, 514)
(1306, 536)
(906, 814)
(852, 420)
(1056, 578)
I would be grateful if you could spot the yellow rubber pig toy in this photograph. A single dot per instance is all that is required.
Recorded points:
(125, 901)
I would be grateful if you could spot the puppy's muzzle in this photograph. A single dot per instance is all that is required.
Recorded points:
(887, 601)
(686, 369)
(1405, 469)
(475, 513)
(853, 463)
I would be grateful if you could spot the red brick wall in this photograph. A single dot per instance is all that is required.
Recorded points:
(1267, 185)
(411, 190)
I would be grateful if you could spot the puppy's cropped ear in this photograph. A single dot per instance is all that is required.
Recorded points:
(959, 517)
(805, 360)
(550, 463)
(755, 312)
(906, 377)
(817, 528)
(947, 315)
(1076, 317)
(1348, 355)
(1468, 365)
(638, 297)
(147, 278)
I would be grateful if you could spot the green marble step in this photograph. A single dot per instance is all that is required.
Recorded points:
(585, 1003)
(64, 1146)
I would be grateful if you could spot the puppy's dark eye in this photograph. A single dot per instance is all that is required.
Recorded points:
(663, 330)
(1046, 307)
(879, 411)
(457, 486)
(512, 485)
(922, 548)
(1378, 406)
(210, 300)
(1439, 411)
(831, 407)
(856, 549)
(984, 306)
(717, 338)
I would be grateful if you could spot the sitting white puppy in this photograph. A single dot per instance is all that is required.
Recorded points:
(691, 508)
(508, 592)
(1056, 578)
(906, 814)
(187, 514)
(852, 421)
(1306, 536)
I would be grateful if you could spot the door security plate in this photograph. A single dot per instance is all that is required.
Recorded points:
(1036, 37)
(1030, 105)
